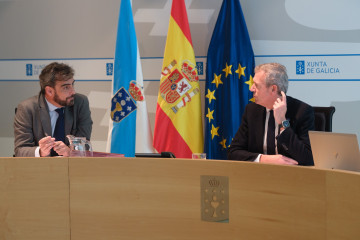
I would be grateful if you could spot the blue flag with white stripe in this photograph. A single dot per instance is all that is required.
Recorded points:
(229, 71)
(129, 131)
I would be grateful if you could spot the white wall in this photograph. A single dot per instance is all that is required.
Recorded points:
(83, 34)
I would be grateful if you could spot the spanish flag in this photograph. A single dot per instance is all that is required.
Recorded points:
(178, 121)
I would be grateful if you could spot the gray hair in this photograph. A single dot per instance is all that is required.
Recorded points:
(275, 75)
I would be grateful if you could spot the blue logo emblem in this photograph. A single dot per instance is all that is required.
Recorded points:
(109, 69)
(300, 67)
(29, 70)
(122, 105)
(200, 68)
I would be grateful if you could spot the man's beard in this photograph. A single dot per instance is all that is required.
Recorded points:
(65, 102)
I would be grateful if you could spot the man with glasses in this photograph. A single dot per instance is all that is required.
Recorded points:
(42, 122)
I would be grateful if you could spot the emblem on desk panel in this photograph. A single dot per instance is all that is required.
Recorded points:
(214, 198)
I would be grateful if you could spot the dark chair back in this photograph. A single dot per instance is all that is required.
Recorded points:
(323, 118)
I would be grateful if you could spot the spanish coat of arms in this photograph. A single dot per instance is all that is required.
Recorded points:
(177, 87)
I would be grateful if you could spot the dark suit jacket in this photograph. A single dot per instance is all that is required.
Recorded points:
(32, 121)
(293, 142)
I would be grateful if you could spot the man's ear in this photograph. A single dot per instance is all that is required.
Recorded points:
(49, 91)
(274, 89)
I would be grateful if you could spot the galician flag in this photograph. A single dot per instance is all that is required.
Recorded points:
(178, 122)
(129, 131)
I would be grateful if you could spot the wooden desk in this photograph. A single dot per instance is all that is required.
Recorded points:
(138, 198)
(34, 198)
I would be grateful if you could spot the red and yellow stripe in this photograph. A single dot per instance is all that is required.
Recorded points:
(180, 132)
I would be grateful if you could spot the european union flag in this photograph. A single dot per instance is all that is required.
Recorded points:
(230, 67)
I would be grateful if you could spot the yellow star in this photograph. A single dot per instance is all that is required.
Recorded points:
(250, 82)
(214, 131)
(217, 80)
(252, 100)
(227, 70)
(210, 95)
(210, 115)
(223, 143)
(240, 71)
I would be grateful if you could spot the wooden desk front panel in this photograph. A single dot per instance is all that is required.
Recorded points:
(160, 199)
(343, 205)
(34, 199)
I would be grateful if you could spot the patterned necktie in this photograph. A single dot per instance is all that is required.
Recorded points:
(270, 141)
(59, 131)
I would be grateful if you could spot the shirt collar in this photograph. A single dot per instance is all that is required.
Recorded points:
(51, 106)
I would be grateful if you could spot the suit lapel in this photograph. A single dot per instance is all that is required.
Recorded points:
(289, 113)
(259, 126)
(44, 115)
(262, 118)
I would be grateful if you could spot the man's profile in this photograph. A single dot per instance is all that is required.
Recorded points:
(42, 121)
(275, 128)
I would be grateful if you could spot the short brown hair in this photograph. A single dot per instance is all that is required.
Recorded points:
(55, 72)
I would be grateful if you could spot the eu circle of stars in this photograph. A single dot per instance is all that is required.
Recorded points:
(210, 95)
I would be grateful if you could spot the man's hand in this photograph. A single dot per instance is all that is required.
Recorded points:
(61, 149)
(46, 144)
(280, 108)
(277, 159)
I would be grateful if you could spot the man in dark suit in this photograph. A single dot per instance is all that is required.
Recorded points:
(38, 118)
(275, 128)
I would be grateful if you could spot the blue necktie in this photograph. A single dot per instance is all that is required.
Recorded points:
(59, 131)
(270, 141)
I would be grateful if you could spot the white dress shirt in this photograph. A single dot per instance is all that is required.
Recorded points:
(265, 136)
